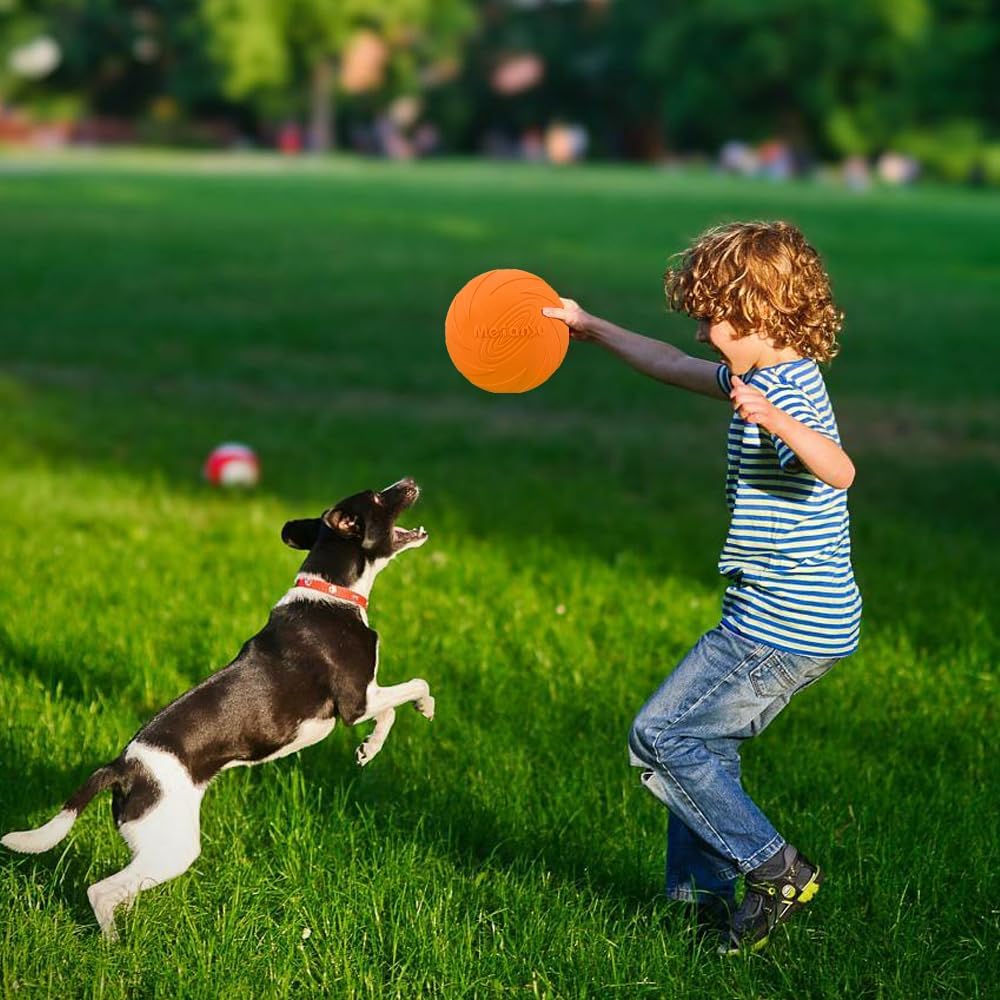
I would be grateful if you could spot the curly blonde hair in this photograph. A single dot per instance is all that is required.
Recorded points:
(763, 277)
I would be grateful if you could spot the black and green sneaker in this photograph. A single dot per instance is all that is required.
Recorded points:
(774, 892)
(714, 914)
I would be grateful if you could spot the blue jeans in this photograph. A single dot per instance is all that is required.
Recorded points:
(687, 739)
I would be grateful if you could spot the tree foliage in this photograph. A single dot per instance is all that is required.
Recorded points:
(835, 77)
(275, 48)
(843, 76)
(113, 55)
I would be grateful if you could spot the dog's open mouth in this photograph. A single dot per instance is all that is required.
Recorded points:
(402, 537)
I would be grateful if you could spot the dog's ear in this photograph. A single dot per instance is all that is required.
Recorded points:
(301, 534)
(346, 525)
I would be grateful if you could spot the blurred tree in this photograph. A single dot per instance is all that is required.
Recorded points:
(829, 76)
(818, 72)
(273, 47)
(840, 76)
(115, 57)
(568, 41)
(835, 77)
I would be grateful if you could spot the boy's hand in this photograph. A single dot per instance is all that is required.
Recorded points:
(821, 455)
(580, 323)
(752, 405)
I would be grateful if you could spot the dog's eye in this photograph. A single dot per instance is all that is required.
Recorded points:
(377, 499)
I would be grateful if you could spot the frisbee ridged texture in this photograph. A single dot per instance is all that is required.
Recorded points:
(497, 336)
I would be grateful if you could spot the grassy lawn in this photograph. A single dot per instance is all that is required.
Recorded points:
(153, 307)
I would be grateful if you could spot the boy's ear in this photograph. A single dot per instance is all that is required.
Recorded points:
(346, 525)
(301, 534)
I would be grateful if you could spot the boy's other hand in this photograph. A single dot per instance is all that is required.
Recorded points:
(580, 323)
(751, 404)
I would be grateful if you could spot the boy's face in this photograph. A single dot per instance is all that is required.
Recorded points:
(738, 353)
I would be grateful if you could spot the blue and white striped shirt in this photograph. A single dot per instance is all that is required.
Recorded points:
(788, 552)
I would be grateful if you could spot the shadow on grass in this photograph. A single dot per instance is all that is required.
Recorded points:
(56, 672)
(507, 471)
(596, 495)
(515, 476)
(514, 473)
(446, 818)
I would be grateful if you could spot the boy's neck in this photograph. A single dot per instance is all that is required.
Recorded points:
(769, 355)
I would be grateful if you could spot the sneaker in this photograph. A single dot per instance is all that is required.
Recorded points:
(704, 920)
(714, 916)
(774, 892)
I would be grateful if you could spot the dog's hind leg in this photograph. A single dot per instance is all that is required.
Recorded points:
(159, 819)
(153, 864)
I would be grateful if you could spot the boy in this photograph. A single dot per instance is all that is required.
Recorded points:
(791, 608)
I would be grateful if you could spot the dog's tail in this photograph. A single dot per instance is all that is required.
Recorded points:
(41, 839)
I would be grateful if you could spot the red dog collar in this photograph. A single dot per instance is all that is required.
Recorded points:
(333, 590)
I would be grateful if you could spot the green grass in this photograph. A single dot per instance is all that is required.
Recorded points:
(153, 307)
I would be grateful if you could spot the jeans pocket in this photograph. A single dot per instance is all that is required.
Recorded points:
(772, 678)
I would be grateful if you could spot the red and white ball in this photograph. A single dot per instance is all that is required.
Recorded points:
(232, 464)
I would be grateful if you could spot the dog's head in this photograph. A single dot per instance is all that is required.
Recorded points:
(359, 531)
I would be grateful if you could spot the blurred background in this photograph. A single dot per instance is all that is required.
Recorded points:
(888, 90)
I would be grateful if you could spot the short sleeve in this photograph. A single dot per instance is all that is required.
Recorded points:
(725, 379)
(798, 406)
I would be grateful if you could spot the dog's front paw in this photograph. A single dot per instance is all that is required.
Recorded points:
(362, 756)
(425, 706)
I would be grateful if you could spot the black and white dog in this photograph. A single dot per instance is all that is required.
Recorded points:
(314, 661)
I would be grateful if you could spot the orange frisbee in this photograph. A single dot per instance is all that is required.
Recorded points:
(497, 336)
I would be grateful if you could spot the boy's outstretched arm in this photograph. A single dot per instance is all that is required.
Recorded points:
(654, 358)
(821, 455)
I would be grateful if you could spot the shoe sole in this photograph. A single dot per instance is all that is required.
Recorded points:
(807, 893)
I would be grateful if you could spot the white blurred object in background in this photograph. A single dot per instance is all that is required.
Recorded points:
(36, 59)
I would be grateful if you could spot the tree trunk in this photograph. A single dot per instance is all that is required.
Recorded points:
(322, 135)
